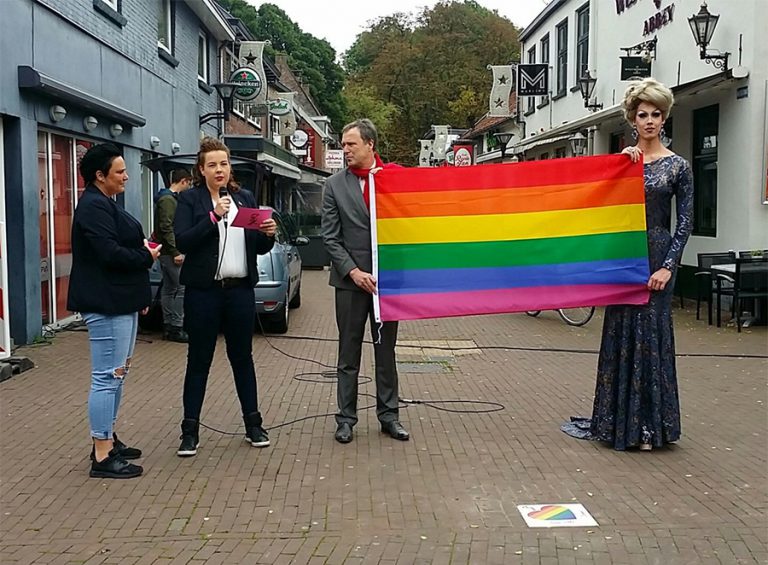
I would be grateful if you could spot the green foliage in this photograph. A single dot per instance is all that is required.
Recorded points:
(362, 103)
(312, 58)
(431, 67)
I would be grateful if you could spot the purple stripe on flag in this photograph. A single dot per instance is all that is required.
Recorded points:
(468, 303)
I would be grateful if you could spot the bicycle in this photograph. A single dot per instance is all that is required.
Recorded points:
(576, 317)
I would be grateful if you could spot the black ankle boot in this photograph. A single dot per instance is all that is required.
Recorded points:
(190, 438)
(255, 434)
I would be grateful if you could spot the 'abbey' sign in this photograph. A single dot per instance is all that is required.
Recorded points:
(658, 20)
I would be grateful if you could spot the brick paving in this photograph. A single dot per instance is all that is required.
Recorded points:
(448, 496)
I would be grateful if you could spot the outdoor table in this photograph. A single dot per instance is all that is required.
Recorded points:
(729, 269)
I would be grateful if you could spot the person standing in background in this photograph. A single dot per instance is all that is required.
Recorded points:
(172, 292)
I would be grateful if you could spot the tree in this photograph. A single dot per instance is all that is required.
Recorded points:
(431, 67)
(314, 59)
(362, 103)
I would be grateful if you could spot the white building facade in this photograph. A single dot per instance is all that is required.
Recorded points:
(720, 119)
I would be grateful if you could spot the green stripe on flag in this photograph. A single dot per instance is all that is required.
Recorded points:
(545, 251)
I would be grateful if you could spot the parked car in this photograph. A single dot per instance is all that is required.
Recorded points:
(279, 287)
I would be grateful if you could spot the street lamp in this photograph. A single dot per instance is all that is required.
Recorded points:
(587, 86)
(503, 137)
(703, 27)
(578, 143)
(226, 91)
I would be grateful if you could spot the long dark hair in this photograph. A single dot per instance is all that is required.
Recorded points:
(208, 144)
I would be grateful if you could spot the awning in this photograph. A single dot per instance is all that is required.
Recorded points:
(693, 87)
(32, 79)
(564, 131)
(541, 140)
(279, 167)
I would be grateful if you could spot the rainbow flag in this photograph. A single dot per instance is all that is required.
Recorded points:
(489, 239)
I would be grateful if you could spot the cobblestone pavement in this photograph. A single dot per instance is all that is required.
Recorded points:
(448, 496)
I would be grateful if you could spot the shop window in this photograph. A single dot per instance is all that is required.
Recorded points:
(705, 141)
(582, 42)
(165, 26)
(112, 10)
(202, 57)
(147, 195)
(531, 99)
(544, 56)
(562, 57)
(56, 170)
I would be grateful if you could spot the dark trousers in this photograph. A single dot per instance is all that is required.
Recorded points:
(206, 311)
(353, 308)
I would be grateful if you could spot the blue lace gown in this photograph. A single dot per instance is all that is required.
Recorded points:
(636, 396)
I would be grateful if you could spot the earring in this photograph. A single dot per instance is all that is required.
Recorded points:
(634, 133)
(662, 132)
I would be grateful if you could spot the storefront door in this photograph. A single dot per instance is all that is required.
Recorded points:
(57, 159)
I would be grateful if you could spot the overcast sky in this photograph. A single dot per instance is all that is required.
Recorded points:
(340, 21)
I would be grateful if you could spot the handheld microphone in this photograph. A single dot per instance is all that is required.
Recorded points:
(222, 193)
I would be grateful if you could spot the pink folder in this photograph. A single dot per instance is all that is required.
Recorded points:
(251, 218)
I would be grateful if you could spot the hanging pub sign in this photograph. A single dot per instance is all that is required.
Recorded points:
(635, 67)
(462, 155)
(249, 81)
(533, 79)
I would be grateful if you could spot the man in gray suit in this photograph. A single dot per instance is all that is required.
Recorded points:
(346, 229)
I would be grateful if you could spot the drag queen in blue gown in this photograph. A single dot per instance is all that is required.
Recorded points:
(636, 396)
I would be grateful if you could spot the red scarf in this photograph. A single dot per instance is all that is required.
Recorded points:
(363, 174)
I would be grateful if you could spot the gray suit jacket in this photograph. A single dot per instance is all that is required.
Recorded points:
(346, 228)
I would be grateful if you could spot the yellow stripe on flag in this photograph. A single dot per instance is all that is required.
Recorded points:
(507, 227)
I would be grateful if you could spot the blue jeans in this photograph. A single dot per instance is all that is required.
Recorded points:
(112, 340)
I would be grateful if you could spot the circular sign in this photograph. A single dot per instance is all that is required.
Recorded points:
(462, 157)
(250, 82)
(299, 138)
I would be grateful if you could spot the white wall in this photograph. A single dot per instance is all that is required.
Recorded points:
(742, 218)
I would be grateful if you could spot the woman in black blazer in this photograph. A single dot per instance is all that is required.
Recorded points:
(219, 272)
(108, 285)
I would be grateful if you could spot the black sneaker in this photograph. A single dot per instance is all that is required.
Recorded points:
(125, 451)
(115, 467)
(189, 438)
(257, 436)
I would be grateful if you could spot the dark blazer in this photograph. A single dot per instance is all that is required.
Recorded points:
(110, 265)
(197, 237)
(346, 228)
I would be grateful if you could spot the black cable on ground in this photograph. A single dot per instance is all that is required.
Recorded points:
(527, 349)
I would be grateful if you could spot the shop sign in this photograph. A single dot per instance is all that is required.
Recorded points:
(658, 20)
(249, 81)
(635, 67)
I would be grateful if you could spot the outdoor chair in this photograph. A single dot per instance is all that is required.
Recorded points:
(749, 282)
(705, 280)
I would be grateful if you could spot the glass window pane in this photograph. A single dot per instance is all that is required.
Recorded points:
(45, 266)
(147, 196)
(81, 146)
(63, 209)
